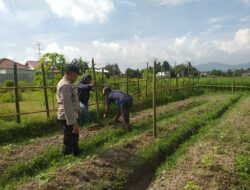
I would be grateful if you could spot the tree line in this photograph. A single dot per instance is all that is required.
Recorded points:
(58, 62)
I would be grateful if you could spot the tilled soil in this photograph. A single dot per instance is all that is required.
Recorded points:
(210, 164)
(105, 168)
(11, 154)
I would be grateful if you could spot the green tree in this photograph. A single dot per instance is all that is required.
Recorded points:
(217, 72)
(82, 65)
(113, 69)
(166, 66)
(51, 61)
(132, 73)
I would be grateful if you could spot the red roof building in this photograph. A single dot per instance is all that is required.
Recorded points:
(9, 64)
(32, 65)
(7, 71)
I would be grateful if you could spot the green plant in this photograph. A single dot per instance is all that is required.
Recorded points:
(243, 167)
(9, 97)
(207, 160)
(9, 83)
(191, 186)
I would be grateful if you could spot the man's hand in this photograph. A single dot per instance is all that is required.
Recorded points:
(76, 129)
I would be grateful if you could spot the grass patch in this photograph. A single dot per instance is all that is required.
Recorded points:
(52, 158)
(243, 170)
(10, 132)
(171, 141)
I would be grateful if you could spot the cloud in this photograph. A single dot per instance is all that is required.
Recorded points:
(3, 8)
(212, 29)
(240, 43)
(31, 18)
(136, 51)
(245, 19)
(246, 2)
(172, 2)
(214, 20)
(82, 11)
(131, 53)
(70, 52)
(126, 2)
(180, 41)
(113, 46)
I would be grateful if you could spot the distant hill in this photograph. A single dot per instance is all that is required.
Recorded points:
(220, 66)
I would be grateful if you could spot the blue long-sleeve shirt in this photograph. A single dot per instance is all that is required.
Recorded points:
(119, 98)
(84, 91)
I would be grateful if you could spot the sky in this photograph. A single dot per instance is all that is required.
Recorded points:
(128, 32)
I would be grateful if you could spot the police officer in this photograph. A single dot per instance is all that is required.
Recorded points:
(67, 115)
(84, 87)
(122, 100)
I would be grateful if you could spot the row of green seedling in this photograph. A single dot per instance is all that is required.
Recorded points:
(174, 137)
(52, 157)
(167, 143)
(16, 133)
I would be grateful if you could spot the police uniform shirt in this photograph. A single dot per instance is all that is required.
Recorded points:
(68, 102)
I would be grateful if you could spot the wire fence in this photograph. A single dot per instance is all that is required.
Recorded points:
(139, 88)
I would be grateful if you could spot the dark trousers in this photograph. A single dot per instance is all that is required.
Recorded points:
(70, 139)
(125, 109)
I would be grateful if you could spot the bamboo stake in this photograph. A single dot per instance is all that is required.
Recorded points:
(96, 94)
(18, 119)
(154, 99)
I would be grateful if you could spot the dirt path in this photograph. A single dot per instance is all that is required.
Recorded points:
(11, 154)
(107, 168)
(211, 162)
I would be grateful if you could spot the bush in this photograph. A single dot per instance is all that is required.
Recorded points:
(11, 132)
(24, 83)
(9, 83)
(9, 97)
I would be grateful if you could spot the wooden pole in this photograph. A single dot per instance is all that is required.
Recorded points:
(146, 83)
(96, 94)
(45, 91)
(138, 85)
(233, 81)
(177, 83)
(161, 79)
(193, 77)
(193, 80)
(52, 89)
(154, 101)
(62, 71)
(102, 77)
(170, 80)
(18, 119)
(127, 84)
(198, 77)
(113, 68)
(214, 83)
(183, 80)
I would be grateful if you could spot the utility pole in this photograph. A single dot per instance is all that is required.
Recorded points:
(38, 49)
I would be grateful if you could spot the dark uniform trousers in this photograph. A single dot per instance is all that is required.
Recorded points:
(70, 139)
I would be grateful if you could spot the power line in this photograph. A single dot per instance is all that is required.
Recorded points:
(38, 49)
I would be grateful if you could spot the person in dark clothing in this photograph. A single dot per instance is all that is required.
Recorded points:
(84, 87)
(124, 103)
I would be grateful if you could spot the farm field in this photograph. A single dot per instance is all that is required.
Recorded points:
(125, 95)
(210, 126)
